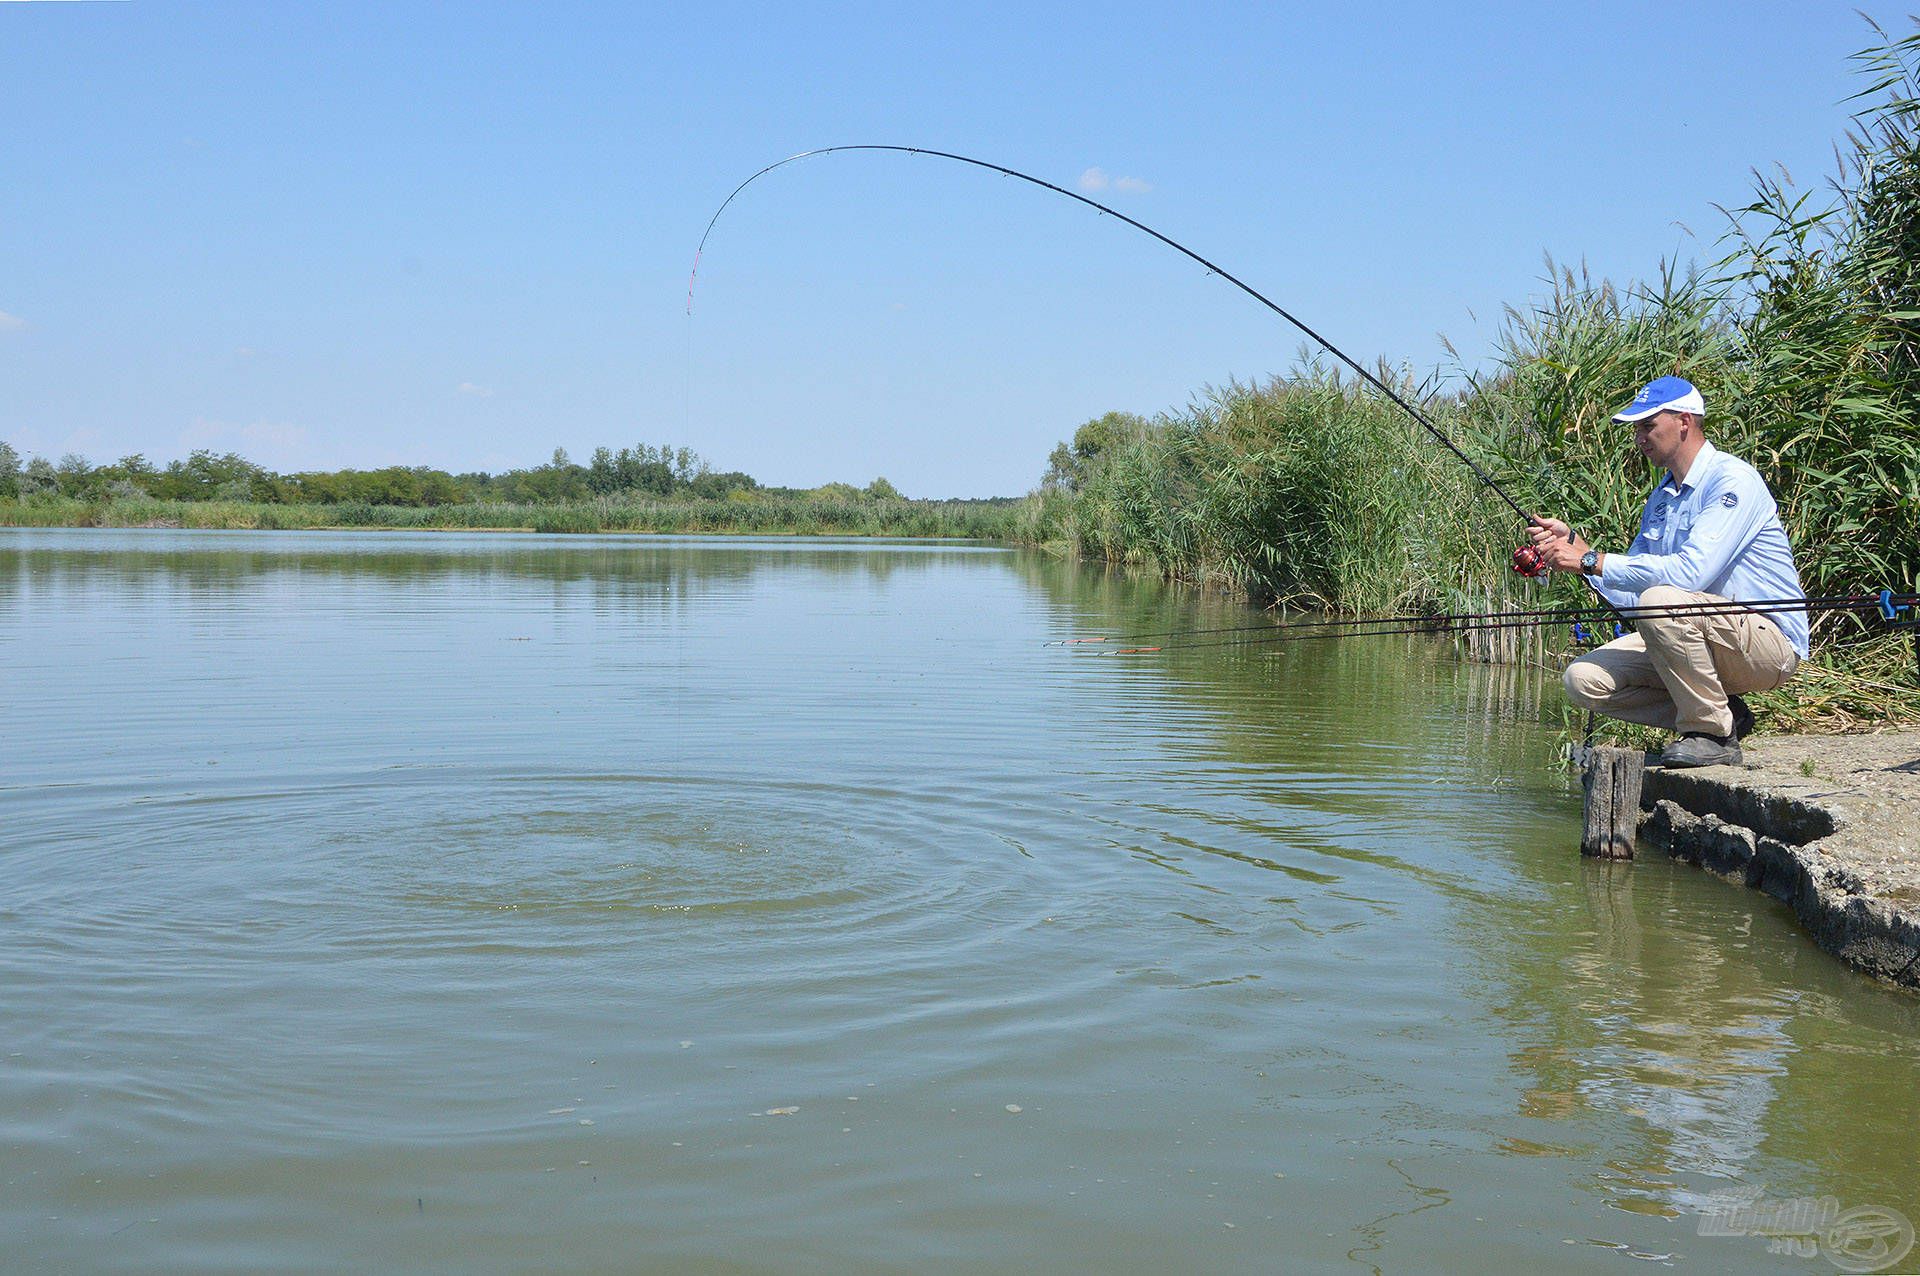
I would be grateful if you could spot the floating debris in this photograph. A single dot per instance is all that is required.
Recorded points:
(560, 1111)
(782, 1111)
(1014, 1107)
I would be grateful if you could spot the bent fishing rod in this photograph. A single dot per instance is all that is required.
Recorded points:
(1527, 560)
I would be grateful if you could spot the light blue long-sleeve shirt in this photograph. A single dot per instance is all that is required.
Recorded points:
(1717, 533)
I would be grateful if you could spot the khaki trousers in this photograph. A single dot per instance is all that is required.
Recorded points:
(1678, 671)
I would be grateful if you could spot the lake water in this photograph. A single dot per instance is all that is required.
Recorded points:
(501, 903)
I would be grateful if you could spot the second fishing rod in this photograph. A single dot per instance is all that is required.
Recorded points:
(1888, 604)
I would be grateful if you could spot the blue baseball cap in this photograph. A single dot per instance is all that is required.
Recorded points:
(1666, 394)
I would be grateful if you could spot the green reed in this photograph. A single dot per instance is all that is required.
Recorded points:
(1804, 338)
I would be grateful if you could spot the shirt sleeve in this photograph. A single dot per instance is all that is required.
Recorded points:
(1618, 597)
(1731, 514)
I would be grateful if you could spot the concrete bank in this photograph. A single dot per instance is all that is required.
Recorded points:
(1830, 825)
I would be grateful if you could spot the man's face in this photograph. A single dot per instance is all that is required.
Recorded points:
(1660, 436)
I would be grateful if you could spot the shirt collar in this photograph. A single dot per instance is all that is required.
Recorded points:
(1696, 473)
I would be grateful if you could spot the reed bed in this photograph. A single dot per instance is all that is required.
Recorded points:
(1804, 338)
(767, 516)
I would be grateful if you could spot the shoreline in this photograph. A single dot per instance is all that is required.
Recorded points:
(523, 531)
(783, 514)
(1828, 825)
(744, 533)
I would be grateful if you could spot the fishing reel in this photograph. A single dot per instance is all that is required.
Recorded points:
(1528, 561)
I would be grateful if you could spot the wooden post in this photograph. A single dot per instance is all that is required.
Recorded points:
(1611, 779)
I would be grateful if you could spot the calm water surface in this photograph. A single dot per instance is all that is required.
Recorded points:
(498, 903)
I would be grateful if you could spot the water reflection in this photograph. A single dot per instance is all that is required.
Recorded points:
(1679, 1036)
(400, 844)
(612, 567)
(1720, 1034)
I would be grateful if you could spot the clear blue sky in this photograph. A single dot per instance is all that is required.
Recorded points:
(458, 235)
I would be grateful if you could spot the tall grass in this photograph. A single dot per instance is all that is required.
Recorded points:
(1306, 490)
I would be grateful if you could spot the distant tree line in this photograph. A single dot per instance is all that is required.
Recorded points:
(662, 473)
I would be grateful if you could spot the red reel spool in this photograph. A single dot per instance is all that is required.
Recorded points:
(1530, 562)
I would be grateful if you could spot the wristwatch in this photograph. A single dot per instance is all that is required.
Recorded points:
(1589, 561)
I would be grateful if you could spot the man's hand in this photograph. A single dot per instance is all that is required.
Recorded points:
(1558, 546)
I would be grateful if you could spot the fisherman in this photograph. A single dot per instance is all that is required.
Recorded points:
(1710, 534)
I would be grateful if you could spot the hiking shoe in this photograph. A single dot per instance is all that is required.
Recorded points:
(1742, 717)
(1697, 748)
